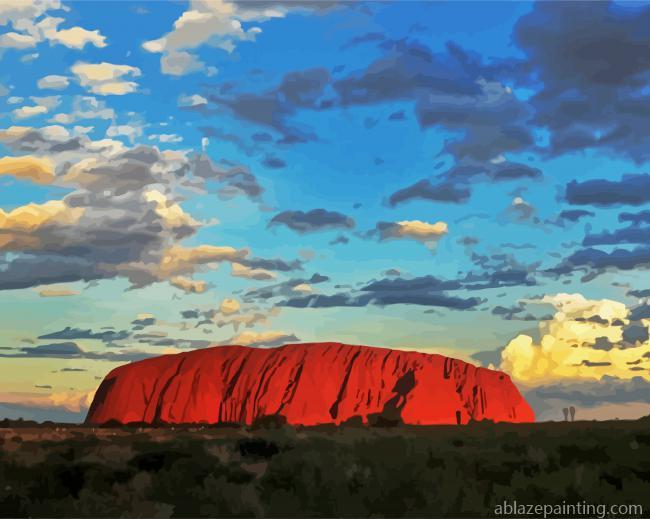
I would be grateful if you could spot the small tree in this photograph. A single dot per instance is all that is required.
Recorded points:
(572, 410)
(566, 414)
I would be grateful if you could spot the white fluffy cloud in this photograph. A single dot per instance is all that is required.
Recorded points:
(53, 82)
(217, 23)
(31, 26)
(106, 78)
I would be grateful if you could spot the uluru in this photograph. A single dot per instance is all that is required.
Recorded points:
(306, 384)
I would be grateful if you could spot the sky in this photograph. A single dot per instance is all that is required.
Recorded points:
(460, 178)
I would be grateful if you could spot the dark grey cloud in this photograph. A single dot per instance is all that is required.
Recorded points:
(627, 235)
(635, 218)
(284, 289)
(274, 162)
(454, 185)
(489, 357)
(468, 241)
(297, 90)
(28, 270)
(452, 90)
(312, 221)
(518, 312)
(72, 334)
(424, 291)
(272, 264)
(340, 240)
(232, 181)
(369, 37)
(639, 293)
(190, 314)
(630, 190)
(142, 322)
(599, 260)
(499, 270)
(592, 61)
(63, 349)
(71, 350)
(573, 215)
(425, 190)
(244, 145)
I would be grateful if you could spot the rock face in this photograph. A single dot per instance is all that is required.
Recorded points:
(307, 384)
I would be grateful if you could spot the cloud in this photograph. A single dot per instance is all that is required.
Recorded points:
(301, 89)
(284, 289)
(235, 180)
(217, 23)
(451, 89)
(30, 32)
(188, 285)
(424, 291)
(260, 274)
(516, 313)
(71, 334)
(57, 292)
(106, 78)
(606, 399)
(75, 37)
(57, 405)
(571, 344)
(425, 190)
(191, 101)
(598, 261)
(53, 82)
(25, 112)
(633, 234)
(417, 230)
(37, 169)
(592, 95)
(180, 63)
(14, 40)
(630, 190)
(71, 350)
(522, 211)
(274, 163)
(229, 306)
(268, 339)
(85, 107)
(312, 221)
(121, 217)
(575, 215)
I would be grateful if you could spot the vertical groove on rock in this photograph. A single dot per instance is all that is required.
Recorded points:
(334, 410)
(165, 388)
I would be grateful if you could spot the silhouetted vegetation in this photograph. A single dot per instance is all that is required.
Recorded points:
(351, 471)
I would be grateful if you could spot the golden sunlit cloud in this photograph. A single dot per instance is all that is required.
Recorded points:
(260, 274)
(73, 401)
(584, 340)
(38, 170)
(229, 306)
(57, 292)
(18, 228)
(189, 285)
(270, 338)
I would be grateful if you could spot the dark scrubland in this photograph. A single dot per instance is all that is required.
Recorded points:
(273, 470)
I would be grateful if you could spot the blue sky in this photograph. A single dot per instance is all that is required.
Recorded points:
(448, 177)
